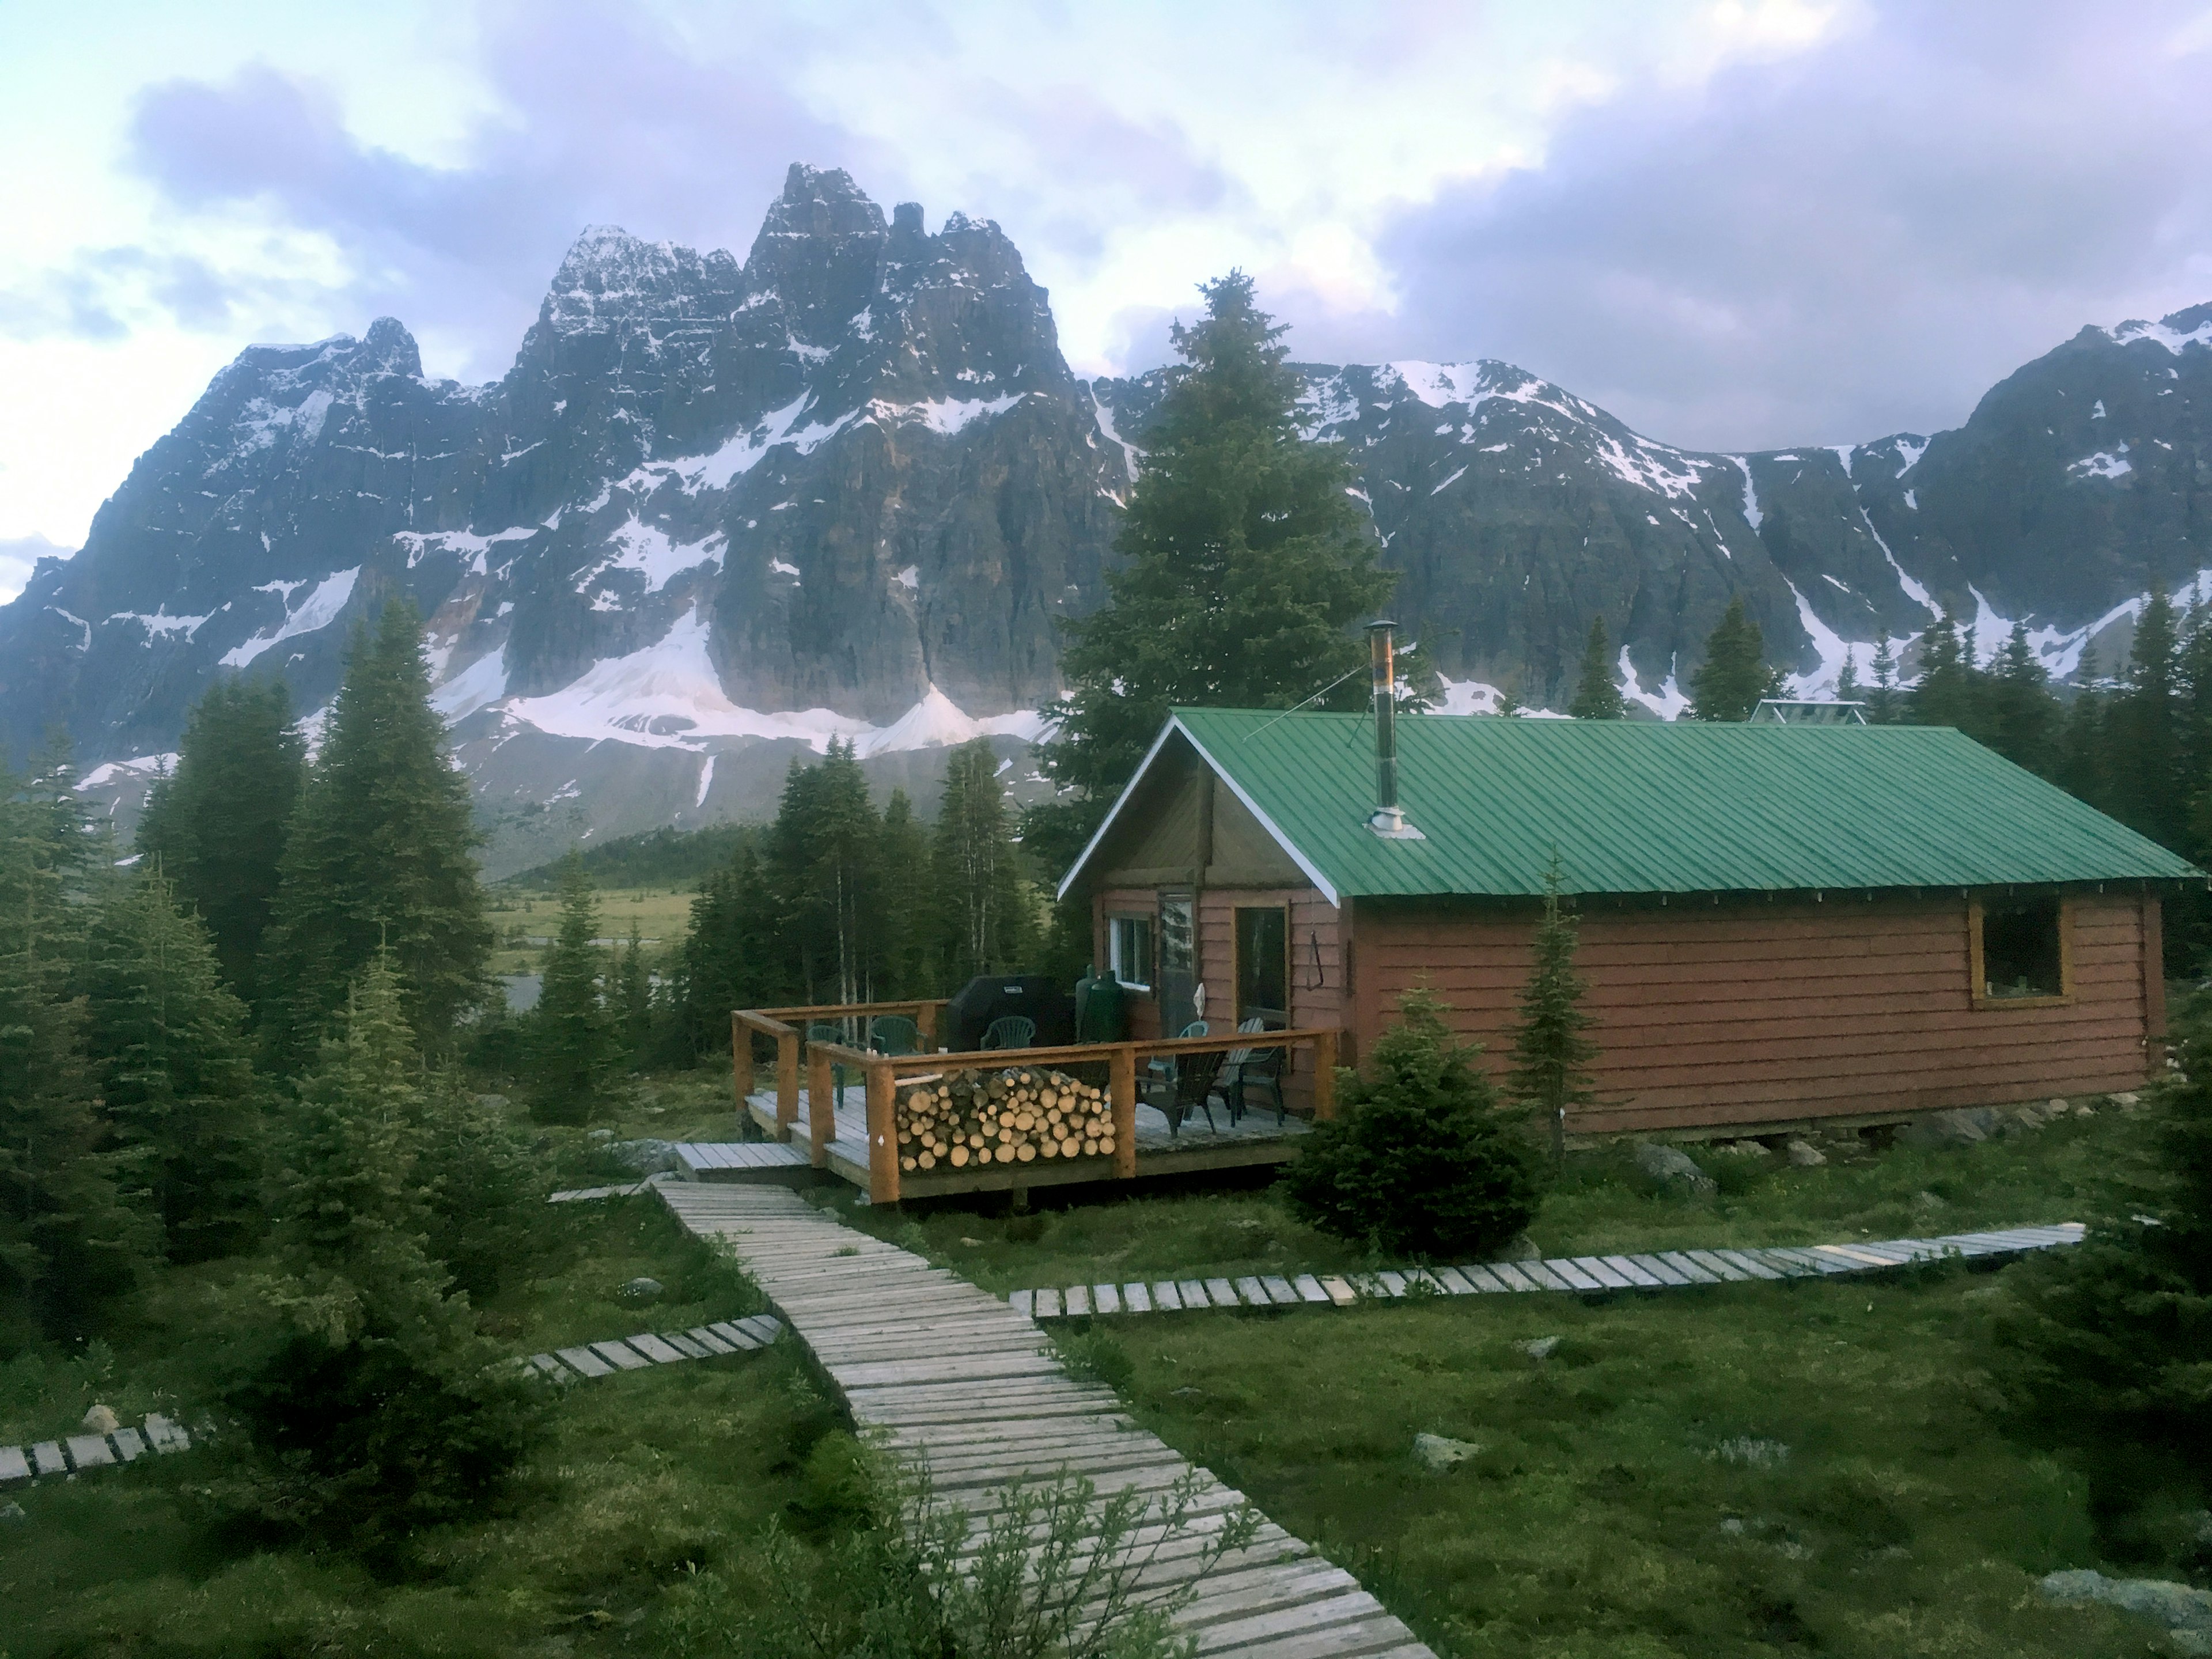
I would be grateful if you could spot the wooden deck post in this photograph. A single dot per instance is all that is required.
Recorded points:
(741, 1054)
(883, 1135)
(1124, 1089)
(821, 1105)
(925, 1021)
(786, 1084)
(1324, 1094)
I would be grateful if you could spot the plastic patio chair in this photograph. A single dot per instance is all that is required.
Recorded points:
(894, 1033)
(1249, 1065)
(1010, 1031)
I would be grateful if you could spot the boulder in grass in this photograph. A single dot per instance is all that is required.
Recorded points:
(101, 1419)
(1962, 1126)
(1674, 1170)
(2183, 1609)
(639, 1289)
(1542, 1348)
(1440, 1452)
(646, 1157)
(1804, 1155)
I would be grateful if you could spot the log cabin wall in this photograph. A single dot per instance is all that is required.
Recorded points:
(1758, 1013)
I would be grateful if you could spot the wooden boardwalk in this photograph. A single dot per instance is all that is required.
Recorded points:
(965, 1386)
(1581, 1275)
(76, 1453)
(1258, 1139)
(636, 1353)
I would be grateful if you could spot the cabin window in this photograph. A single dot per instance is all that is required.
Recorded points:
(1129, 951)
(1263, 964)
(2020, 951)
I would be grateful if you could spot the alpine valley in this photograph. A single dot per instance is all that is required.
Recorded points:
(718, 513)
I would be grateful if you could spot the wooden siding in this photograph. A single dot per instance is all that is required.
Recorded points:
(1770, 1013)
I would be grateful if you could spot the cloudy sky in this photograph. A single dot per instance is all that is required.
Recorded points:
(1736, 223)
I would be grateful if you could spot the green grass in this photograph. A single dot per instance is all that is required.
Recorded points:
(643, 1478)
(1594, 1520)
(1599, 1205)
(523, 922)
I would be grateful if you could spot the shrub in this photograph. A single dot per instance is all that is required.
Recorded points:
(1421, 1163)
(2106, 1344)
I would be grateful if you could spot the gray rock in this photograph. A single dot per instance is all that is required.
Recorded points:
(2180, 1607)
(640, 1289)
(646, 1157)
(1522, 1248)
(1962, 1127)
(1925, 1200)
(101, 1421)
(1439, 1452)
(1750, 1453)
(1672, 1167)
(493, 1103)
(1733, 1524)
(600, 1134)
(13, 1516)
(1542, 1348)
(2126, 1100)
(1804, 1155)
(2056, 1107)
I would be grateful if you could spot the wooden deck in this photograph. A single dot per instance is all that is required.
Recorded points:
(1257, 1140)
(956, 1382)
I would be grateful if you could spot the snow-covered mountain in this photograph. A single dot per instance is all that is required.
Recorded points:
(719, 513)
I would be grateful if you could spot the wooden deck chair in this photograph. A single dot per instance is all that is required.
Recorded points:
(1186, 1081)
(1245, 1066)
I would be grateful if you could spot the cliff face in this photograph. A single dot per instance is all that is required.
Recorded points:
(720, 512)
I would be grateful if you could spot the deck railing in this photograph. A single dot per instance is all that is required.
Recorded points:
(1121, 1060)
(776, 1022)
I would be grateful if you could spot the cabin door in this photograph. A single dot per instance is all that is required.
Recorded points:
(1178, 968)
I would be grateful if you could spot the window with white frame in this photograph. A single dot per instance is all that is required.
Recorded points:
(1129, 951)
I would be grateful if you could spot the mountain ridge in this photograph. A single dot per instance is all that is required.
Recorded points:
(717, 512)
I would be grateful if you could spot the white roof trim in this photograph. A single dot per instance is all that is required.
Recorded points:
(1113, 813)
(1174, 724)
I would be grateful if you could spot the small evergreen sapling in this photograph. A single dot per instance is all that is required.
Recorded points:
(1597, 694)
(1734, 677)
(1551, 1052)
(1421, 1163)
(570, 1041)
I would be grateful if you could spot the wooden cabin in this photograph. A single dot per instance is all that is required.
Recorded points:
(1780, 923)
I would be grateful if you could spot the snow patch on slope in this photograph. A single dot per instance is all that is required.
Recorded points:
(481, 682)
(317, 611)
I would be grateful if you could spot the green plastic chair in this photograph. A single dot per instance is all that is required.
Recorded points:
(894, 1033)
(1010, 1031)
(831, 1034)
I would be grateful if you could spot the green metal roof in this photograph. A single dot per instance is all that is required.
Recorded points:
(1648, 807)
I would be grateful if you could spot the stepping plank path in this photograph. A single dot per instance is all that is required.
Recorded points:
(1581, 1275)
(91, 1451)
(961, 1384)
(633, 1353)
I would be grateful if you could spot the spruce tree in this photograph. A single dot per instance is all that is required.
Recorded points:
(2143, 731)
(1244, 563)
(217, 824)
(1944, 695)
(2104, 1345)
(570, 1040)
(180, 1101)
(1419, 1162)
(2020, 717)
(380, 853)
(2083, 771)
(985, 921)
(1733, 679)
(823, 852)
(908, 904)
(631, 1003)
(363, 1404)
(67, 1243)
(1883, 700)
(1597, 693)
(1550, 1053)
(734, 953)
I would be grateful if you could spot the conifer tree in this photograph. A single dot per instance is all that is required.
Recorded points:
(2020, 717)
(1883, 700)
(570, 1042)
(909, 901)
(363, 1401)
(1733, 679)
(2149, 792)
(1550, 1053)
(632, 1001)
(1597, 694)
(1244, 562)
(380, 853)
(1944, 695)
(2082, 758)
(734, 953)
(985, 923)
(181, 1100)
(1421, 1162)
(2104, 1345)
(822, 853)
(217, 824)
(1848, 689)
(67, 1241)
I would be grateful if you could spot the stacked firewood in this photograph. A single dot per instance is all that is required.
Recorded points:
(956, 1119)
